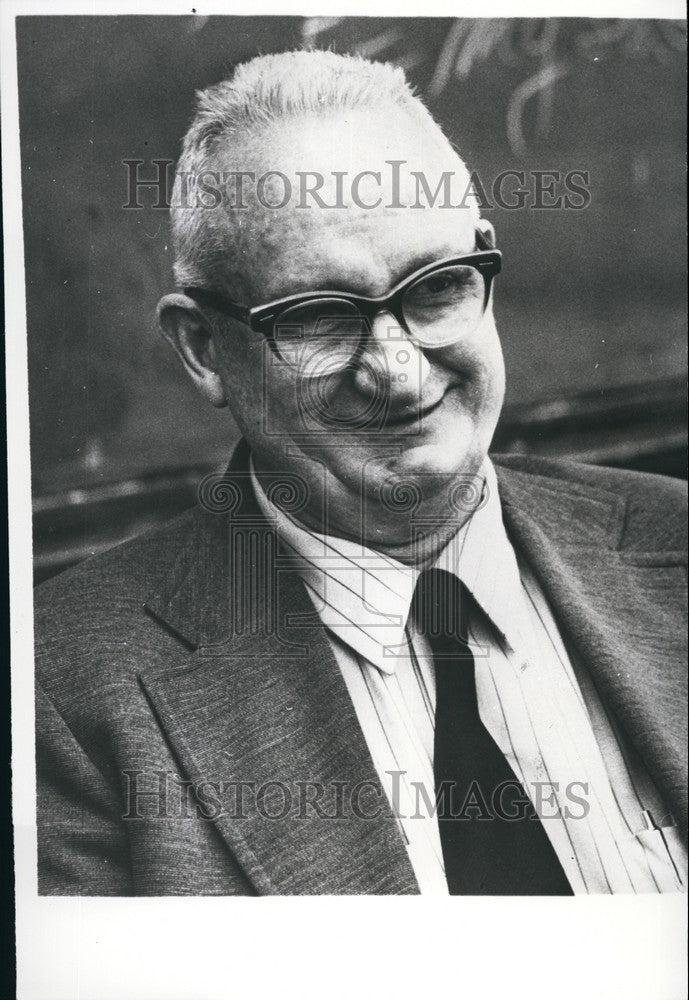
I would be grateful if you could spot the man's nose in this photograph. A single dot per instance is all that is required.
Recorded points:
(391, 362)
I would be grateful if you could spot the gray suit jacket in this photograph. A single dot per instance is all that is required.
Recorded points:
(177, 666)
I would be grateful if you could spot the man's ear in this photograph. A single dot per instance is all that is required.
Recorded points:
(487, 231)
(187, 329)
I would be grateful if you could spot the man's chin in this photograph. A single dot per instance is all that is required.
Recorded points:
(443, 460)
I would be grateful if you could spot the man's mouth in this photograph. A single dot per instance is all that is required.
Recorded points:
(406, 418)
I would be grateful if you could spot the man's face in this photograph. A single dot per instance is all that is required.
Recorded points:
(439, 407)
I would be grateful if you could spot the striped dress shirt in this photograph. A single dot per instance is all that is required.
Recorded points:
(602, 813)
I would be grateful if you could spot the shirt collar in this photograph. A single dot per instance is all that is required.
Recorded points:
(364, 596)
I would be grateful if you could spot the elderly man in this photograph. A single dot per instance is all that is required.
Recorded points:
(371, 661)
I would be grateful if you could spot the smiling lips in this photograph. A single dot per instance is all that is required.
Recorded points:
(404, 419)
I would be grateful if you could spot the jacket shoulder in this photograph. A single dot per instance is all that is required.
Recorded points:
(93, 614)
(130, 566)
(655, 506)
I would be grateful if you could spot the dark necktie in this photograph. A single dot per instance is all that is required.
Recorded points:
(493, 841)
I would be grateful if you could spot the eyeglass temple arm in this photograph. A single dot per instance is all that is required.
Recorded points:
(483, 242)
(207, 297)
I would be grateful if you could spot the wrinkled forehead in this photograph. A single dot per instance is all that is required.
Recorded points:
(351, 199)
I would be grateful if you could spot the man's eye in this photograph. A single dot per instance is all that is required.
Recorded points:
(452, 286)
(437, 283)
(448, 286)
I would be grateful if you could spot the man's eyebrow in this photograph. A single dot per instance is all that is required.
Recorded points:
(411, 267)
(338, 284)
(353, 287)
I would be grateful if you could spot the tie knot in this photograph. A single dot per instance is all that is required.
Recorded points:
(439, 604)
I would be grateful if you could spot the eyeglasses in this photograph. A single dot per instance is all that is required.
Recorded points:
(320, 333)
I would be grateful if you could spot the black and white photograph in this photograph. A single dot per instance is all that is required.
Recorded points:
(347, 416)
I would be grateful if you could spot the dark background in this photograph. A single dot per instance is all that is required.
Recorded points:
(591, 303)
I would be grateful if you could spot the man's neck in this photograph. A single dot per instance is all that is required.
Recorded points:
(419, 551)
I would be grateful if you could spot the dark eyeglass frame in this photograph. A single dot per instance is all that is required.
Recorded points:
(261, 319)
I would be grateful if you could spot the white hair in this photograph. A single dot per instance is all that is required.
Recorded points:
(264, 90)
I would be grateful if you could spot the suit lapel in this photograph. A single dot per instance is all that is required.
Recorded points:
(260, 711)
(621, 614)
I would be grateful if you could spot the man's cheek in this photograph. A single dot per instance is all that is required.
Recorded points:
(475, 361)
(490, 369)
